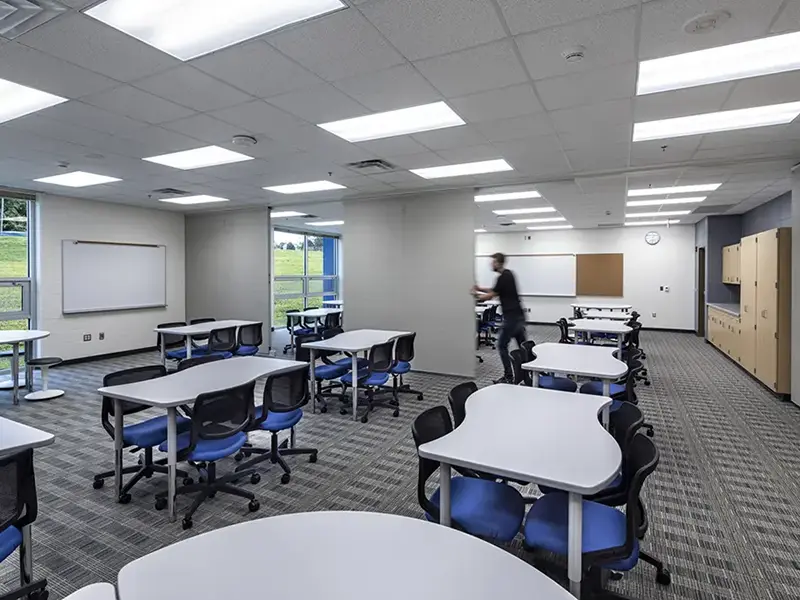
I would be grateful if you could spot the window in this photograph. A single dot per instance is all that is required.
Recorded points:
(305, 271)
(16, 288)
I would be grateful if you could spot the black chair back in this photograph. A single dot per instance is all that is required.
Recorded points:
(18, 505)
(222, 340)
(188, 363)
(624, 423)
(380, 358)
(521, 376)
(201, 337)
(428, 426)
(285, 392)
(170, 340)
(121, 378)
(251, 335)
(304, 354)
(221, 414)
(333, 321)
(329, 333)
(458, 400)
(528, 346)
(404, 348)
(292, 321)
(563, 326)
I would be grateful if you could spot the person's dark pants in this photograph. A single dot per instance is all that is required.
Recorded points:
(512, 329)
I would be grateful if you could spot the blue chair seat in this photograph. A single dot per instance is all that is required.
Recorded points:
(616, 483)
(180, 353)
(10, 540)
(247, 350)
(199, 347)
(209, 450)
(596, 388)
(363, 379)
(604, 527)
(484, 508)
(401, 367)
(329, 372)
(562, 384)
(151, 432)
(279, 421)
(303, 331)
(348, 362)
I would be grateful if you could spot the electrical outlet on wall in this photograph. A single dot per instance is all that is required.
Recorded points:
(654, 315)
(101, 336)
(87, 337)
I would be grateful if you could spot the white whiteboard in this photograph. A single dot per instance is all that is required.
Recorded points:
(537, 274)
(105, 276)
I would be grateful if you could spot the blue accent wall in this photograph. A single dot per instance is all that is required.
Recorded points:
(770, 215)
(329, 260)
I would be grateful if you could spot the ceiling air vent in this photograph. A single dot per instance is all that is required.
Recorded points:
(609, 225)
(371, 167)
(505, 224)
(20, 16)
(170, 192)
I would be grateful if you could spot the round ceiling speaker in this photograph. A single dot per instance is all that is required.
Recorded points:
(244, 140)
(706, 22)
(574, 54)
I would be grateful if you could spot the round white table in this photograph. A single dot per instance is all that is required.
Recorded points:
(15, 337)
(351, 556)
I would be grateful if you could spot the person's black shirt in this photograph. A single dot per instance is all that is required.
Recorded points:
(506, 289)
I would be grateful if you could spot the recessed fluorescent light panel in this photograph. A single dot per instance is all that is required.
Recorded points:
(209, 156)
(681, 189)
(543, 227)
(766, 56)
(662, 213)
(326, 223)
(473, 168)
(480, 231)
(689, 200)
(302, 188)
(18, 100)
(77, 179)
(727, 120)
(193, 200)
(507, 196)
(426, 117)
(524, 211)
(287, 213)
(187, 29)
(640, 223)
(544, 220)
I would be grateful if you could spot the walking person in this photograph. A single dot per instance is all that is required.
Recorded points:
(505, 288)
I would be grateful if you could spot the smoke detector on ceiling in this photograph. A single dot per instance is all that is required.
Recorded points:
(244, 140)
(706, 22)
(574, 54)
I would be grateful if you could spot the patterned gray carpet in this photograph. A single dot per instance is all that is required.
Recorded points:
(724, 503)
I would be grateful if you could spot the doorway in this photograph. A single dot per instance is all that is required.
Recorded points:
(701, 292)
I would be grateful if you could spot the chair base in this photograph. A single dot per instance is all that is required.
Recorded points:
(404, 388)
(372, 403)
(146, 469)
(42, 395)
(324, 392)
(32, 591)
(275, 455)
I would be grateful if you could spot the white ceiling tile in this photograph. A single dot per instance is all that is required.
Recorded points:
(523, 15)
(450, 137)
(93, 45)
(41, 71)
(759, 150)
(257, 68)
(758, 91)
(390, 89)
(475, 70)
(319, 104)
(539, 156)
(368, 184)
(421, 28)
(343, 44)
(789, 19)
(205, 128)
(608, 39)
(417, 161)
(756, 135)
(599, 157)
(258, 117)
(396, 177)
(189, 87)
(137, 104)
(664, 151)
(513, 101)
(153, 140)
(690, 101)
(586, 88)
(606, 133)
(604, 115)
(502, 130)
(393, 146)
(85, 115)
(662, 25)
(470, 153)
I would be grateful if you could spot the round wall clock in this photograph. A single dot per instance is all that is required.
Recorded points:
(652, 237)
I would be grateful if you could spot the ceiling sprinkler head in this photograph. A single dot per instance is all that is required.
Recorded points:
(574, 54)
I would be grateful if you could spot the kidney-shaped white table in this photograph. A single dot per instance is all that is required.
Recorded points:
(197, 329)
(398, 558)
(600, 326)
(540, 436)
(183, 387)
(15, 338)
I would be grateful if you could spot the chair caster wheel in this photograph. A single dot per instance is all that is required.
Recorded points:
(285, 478)
(40, 595)
(186, 523)
(396, 412)
(312, 458)
(664, 577)
(247, 453)
(255, 478)
(124, 498)
(615, 575)
(148, 476)
(647, 382)
(238, 457)
(323, 409)
(650, 433)
(98, 483)
(161, 503)
(253, 505)
(212, 494)
(342, 411)
(364, 419)
(420, 397)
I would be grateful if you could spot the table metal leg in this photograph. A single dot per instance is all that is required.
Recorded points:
(354, 366)
(575, 548)
(535, 378)
(15, 372)
(172, 459)
(118, 444)
(444, 494)
(28, 369)
(619, 346)
(163, 351)
(26, 557)
(188, 346)
(604, 415)
(312, 384)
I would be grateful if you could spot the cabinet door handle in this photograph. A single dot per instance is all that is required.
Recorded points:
(764, 314)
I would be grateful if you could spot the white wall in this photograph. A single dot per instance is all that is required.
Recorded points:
(66, 218)
(409, 264)
(646, 268)
(795, 221)
(228, 266)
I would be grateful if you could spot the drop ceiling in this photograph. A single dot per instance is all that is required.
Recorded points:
(565, 127)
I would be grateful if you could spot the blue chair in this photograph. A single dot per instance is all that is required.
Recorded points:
(403, 355)
(326, 375)
(485, 327)
(285, 395)
(547, 382)
(620, 392)
(480, 507)
(372, 378)
(18, 509)
(174, 345)
(219, 422)
(142, 435)
(200, 342)
(610, 537)
(295, 328)
(249, 339)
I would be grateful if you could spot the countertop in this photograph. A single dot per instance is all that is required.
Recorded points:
(731, 309)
